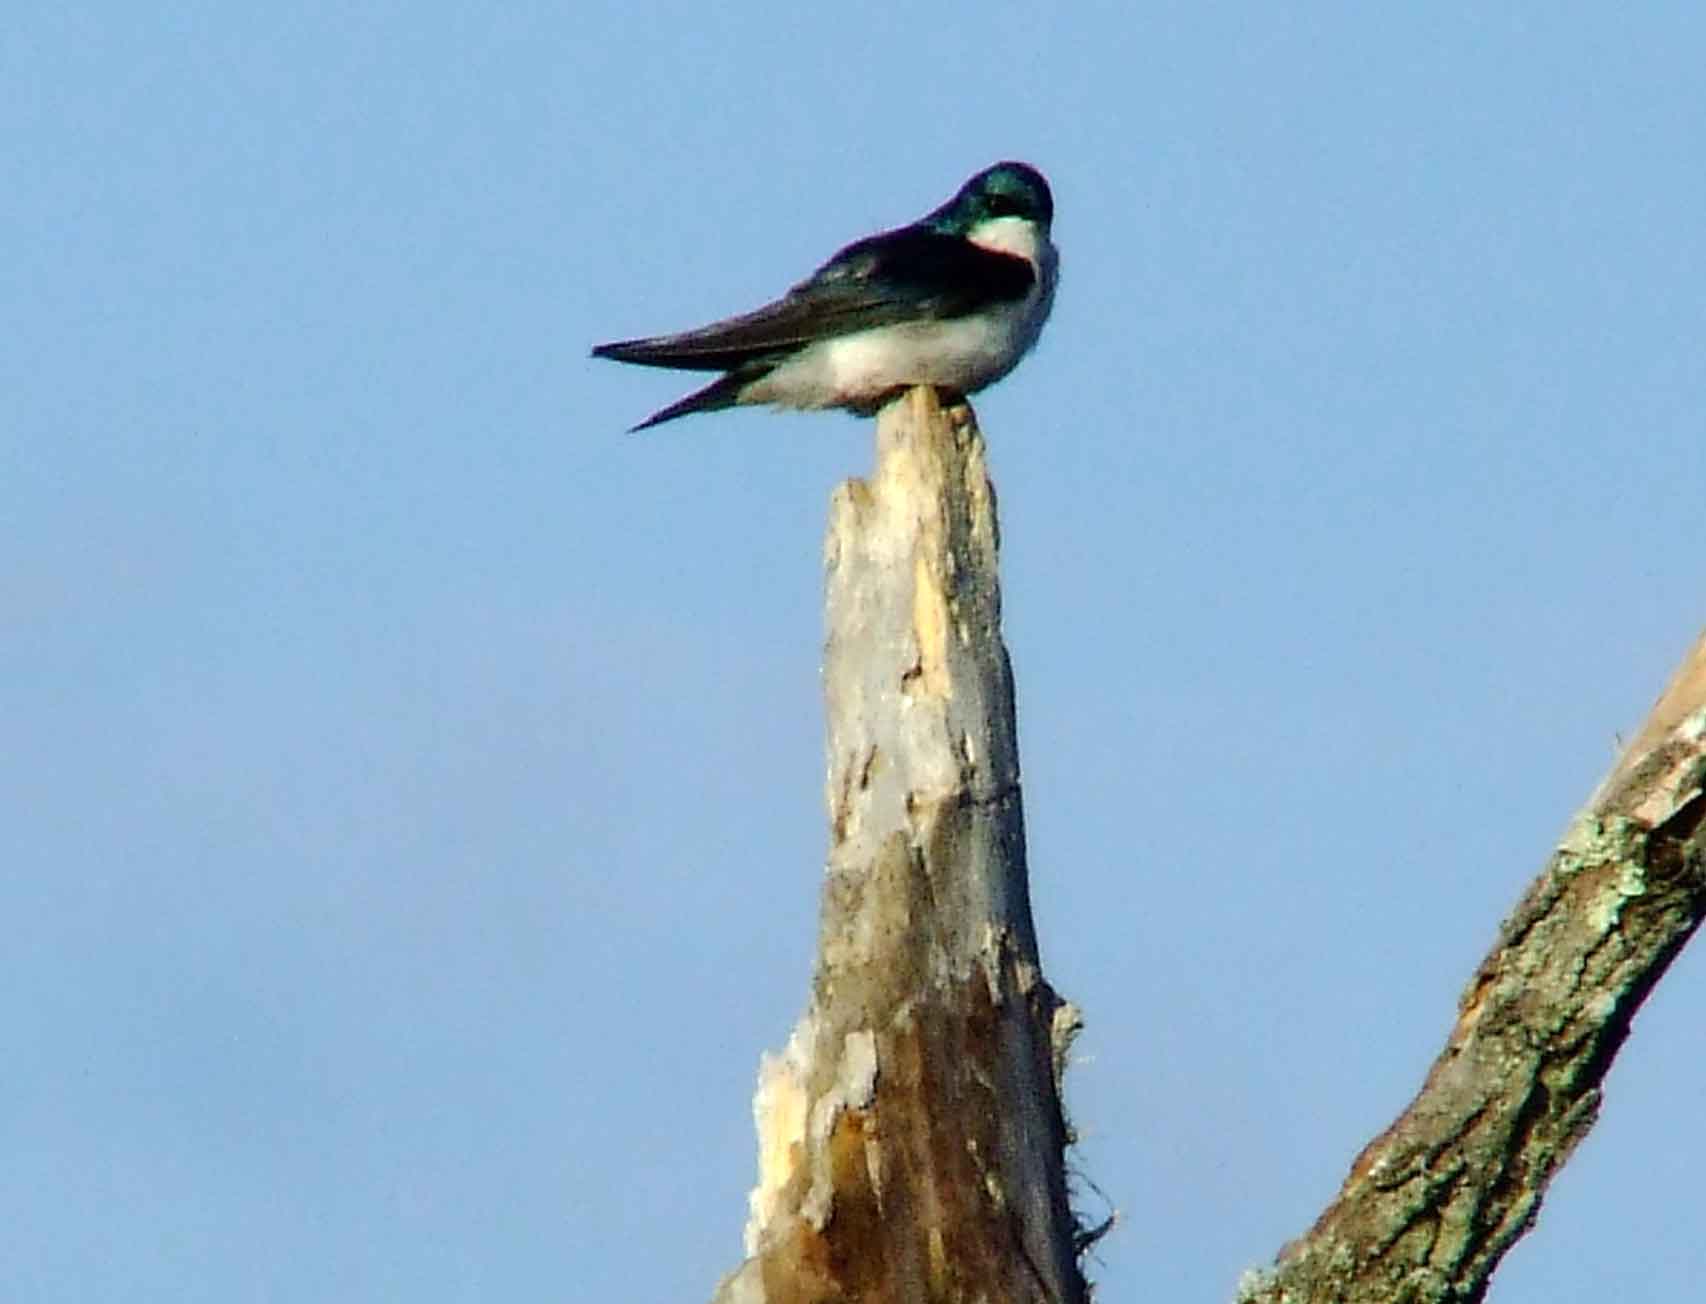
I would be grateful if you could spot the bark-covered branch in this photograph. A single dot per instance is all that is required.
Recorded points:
(1432, 1204)
(911, 1137)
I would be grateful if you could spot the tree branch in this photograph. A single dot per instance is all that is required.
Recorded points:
(1434, 1202)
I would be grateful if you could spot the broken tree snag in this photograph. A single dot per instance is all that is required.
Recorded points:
(1432, 1204)
(910, 1136)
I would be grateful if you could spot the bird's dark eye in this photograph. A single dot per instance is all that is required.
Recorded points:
(1003, 205)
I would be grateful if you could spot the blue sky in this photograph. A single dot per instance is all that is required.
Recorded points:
(412, 812)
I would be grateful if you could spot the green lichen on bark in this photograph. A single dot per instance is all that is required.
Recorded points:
(1432, 1204)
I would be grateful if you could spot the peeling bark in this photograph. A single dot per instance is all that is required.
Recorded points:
(910, 1136)
(1434, 1202)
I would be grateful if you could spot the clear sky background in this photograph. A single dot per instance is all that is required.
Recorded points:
(410, 807)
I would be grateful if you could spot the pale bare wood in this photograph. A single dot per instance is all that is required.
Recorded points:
(910, 1136)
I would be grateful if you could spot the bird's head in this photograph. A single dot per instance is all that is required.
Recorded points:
(1007, 190)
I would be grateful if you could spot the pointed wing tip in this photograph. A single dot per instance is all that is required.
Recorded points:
(643, 351)
(661, 351)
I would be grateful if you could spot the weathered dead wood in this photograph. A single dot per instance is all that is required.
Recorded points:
(1434, 1202)
(911, 1135)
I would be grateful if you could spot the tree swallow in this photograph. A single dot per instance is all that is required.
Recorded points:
(953, 300)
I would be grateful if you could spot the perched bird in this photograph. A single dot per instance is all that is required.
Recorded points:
(953, 300)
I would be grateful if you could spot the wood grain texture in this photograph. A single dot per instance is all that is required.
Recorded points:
(911, 1136)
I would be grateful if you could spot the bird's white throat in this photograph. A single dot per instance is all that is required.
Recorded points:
(1011, 235)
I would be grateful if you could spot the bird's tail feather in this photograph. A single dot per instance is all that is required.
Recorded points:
(721, 393)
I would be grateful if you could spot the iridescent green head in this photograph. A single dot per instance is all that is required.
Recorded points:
(1005, 190)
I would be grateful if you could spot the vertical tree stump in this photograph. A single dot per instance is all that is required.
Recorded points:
(911, 1137)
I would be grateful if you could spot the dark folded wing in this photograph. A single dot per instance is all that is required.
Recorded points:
(899, 276)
